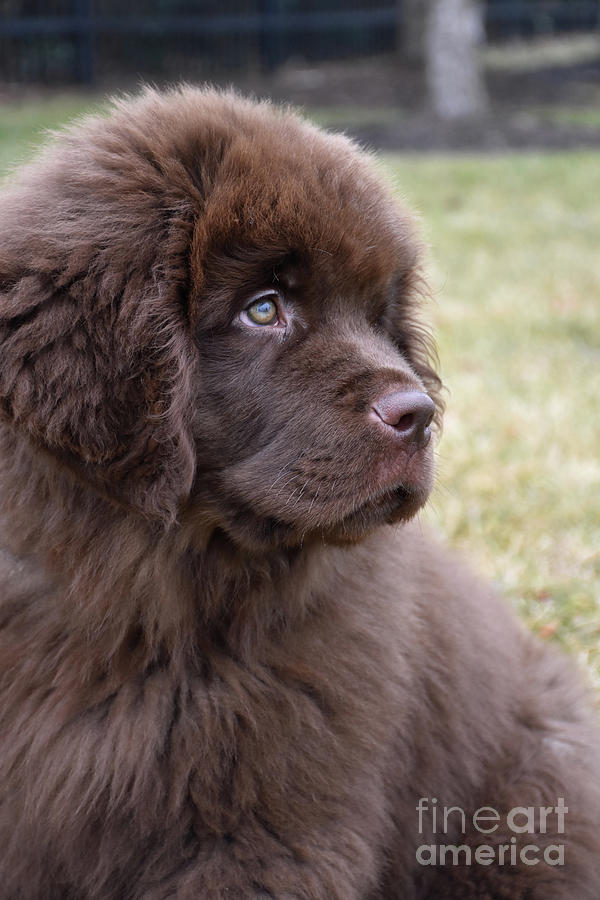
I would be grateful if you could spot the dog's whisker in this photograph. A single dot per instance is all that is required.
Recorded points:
(291, 496)
(299, 497)
(313, 501)
(290, 480)
(283, 471)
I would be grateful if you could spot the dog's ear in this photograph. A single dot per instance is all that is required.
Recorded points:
(96, 357)
(106, 390)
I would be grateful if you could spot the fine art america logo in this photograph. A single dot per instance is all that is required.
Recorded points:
(435, 821)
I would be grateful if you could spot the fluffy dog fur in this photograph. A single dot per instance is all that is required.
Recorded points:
(230, 665)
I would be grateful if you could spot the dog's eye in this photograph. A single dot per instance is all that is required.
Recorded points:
(264, 310)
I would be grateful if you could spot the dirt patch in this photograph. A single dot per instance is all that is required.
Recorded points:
(383, 103)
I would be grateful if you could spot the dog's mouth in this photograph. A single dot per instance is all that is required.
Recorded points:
(391, 490)
(342, 510)
(394, 505)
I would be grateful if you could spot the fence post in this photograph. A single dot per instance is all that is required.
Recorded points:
(84, 42)
(269, 40)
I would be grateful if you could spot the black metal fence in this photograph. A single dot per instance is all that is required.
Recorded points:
(87, 41)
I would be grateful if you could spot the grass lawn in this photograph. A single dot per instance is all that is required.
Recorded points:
(516, 284)
(24, 125)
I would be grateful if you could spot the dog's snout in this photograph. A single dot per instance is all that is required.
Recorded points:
(409, 413)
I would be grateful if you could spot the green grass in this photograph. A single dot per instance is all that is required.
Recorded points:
(516, 283)
(542, 52)
(584, 117)
(349, 117)
(24, 125)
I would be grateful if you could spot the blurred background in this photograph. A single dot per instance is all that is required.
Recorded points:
(525, 72)
(487, 118)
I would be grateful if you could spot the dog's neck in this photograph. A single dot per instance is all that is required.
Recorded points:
(121, 578)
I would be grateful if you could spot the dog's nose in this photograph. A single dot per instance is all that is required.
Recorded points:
(409, 413)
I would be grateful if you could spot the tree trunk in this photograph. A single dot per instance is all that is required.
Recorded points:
(454, 72)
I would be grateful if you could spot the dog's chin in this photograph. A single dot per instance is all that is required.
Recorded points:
(255, 522)
(395, 506)
(254, 533)
(392, 498)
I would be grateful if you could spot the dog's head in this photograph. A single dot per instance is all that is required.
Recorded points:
(208, 311)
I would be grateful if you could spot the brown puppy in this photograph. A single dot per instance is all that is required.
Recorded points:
(229, 669)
